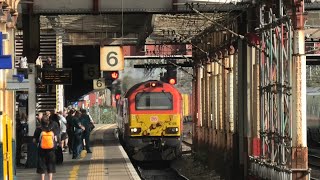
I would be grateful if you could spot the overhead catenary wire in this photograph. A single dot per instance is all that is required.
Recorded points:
(242, 37)
(205, 52)
(186, 39)
(218, 24)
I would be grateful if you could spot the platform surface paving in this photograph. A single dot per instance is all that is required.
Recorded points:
(108, 161)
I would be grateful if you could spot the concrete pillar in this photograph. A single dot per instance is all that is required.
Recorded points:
(199, 86)
(10, 95)
(196, 104)
(242, 108)
(220, 95)
(255, 106)
(236, 90)
(248, 115)
(231, 90)
(32, 99)
(208, 93)
(225, 105)
(215, 94)
(7, 100)
(204, 104)
(298, 81)
(59, 64)
(2, 83)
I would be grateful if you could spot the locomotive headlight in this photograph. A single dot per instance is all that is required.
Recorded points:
(172, 130)
(135, 130)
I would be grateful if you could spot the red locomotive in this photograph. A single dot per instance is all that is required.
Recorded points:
(150, 121)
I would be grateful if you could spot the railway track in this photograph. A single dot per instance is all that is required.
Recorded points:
(314, 164)
(159, 170)
(187, 143)
(186, 147)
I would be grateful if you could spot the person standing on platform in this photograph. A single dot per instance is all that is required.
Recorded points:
(39, 65)
(38, 119)
(46, 139)
(86, 120)
(70, 129)
(54, 119)
(77, 137)
(48, 64)
(24, 124)
(63, 130)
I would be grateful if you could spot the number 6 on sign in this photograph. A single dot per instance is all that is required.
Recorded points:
(111, 58)
(99, 84)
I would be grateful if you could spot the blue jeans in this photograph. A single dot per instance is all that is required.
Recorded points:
(77, 145)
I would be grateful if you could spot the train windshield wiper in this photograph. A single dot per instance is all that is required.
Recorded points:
(170, 98)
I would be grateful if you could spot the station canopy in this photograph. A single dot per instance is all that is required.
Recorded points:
(130, 29)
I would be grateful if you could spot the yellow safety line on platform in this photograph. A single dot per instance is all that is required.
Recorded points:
(74, 172)
(73, 175)
(96, 170)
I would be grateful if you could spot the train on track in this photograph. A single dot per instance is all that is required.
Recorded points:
(150, 121)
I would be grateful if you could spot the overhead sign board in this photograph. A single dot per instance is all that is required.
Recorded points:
(91, 71)
(56, 76)
(99, 84)
(111, 58)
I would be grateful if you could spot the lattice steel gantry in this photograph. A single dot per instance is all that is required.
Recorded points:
(283, 148)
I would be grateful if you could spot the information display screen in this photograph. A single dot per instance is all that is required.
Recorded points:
(56, 76)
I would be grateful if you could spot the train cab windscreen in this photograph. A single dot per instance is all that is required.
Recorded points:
(154, 101)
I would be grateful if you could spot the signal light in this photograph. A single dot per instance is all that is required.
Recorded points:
(117, 96)
(172, 81)
(111, 75)
(114, 75)
(170, 76)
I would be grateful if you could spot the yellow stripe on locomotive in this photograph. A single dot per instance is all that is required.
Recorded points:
(155, 125)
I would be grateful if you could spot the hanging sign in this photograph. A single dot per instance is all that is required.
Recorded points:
(111, 58)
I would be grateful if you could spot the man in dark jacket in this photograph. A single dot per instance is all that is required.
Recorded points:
(85, 120)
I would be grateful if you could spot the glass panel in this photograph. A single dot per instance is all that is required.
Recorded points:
(154, 100)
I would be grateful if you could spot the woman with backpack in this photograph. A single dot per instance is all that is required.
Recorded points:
(46, 139)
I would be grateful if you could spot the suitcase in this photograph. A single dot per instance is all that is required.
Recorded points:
(59, 155)
(32, 155)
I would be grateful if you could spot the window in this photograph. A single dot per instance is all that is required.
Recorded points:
(154, 100)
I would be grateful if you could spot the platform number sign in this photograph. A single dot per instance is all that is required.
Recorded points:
(91, 71)
(111, 58)
(99, 84)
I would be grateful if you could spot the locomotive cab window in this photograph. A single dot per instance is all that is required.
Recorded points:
(154, 100)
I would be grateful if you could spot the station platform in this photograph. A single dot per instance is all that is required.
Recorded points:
(108, 160)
